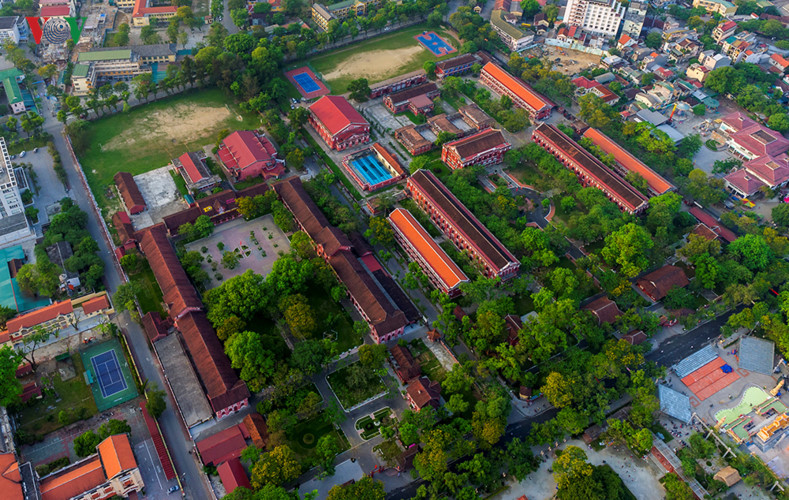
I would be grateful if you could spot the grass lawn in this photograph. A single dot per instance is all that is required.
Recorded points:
(150, 297)
(42, 416)
(350, 396)
(303, 438)
(180, 183)
(149, 136)
(401, 39)
(347, 338)
(431, 367)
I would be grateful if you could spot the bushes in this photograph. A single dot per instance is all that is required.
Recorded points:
(45, 469)
(57, 164)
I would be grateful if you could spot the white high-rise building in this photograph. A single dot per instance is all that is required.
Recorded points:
(10, 200)
(601, 17)
(634, 19)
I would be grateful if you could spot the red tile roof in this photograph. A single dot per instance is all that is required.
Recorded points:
(656, 183)
(178, 292)
(745, 182)
(193, 166)
(336, 113)
(222, 385)
(55, 11)
(141, 8)
(245, 148)
(391, 160)
(584, 82)
(257, 429)
(781, 60)
(233, 475)
(705, 232)
(772, 170)
(124, 227)
(96, 304)
(153, 326)
(222, 446)
(658, 283)
(407, 366)
(422, 392)
(520, 89)
(73, 481)
(478, 143)
(441, 264)
(713, 224)
(604, 309)
(10, 478)
(130, 193)
(39, 316)
(116, 455)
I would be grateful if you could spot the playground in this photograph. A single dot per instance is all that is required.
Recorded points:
(435, 44)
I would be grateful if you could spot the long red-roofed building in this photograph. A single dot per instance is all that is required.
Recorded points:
(50, 318)
(246, 154)
(338, 123)
(656, 184)
(440, 269)
(130, 193)
(522, 95)
(483, 148)
(460, 226)
(590, 170)
(712, 223)
(142, 13)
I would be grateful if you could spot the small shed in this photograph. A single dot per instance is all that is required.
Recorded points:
(728, 475)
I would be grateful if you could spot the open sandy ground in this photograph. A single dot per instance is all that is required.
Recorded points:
(375, 65)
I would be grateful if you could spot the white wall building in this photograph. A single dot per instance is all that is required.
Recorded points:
(9, 29)
(634, 19)
(601, 17)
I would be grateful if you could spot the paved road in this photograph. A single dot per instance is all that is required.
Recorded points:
(681, 346)
(174, 432)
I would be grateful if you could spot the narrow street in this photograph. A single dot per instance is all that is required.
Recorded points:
(174, 432)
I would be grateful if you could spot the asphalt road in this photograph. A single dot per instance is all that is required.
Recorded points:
(175, 434)
(681, 346)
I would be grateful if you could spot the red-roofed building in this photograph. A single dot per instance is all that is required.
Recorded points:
(142, 12)
(193, 169)
(521, 94)
(657, 185)
(604, 309)
(417, 99)
(130, 193)
(233, 475)
(10, 478)
(125, 229)
(712, 223)
(57, 11)
(724, 30)
(439, 268)
(247, 154)
(589, 169)
(222, 446)
(338, 123)
(363, 165)
(422, 392)
(112, 471)
(154, 327)
(95, 305)
(585, 83)
(625, 41)
(751, 140)
(705, 232)
(51, 318)
(455, 65)
(461, 226)
(779, 62)
(483, 148)
(657, 284)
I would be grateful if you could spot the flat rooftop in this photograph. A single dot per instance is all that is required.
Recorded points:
(186, 388)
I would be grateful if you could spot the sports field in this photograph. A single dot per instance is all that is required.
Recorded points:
(149, 136)
(109, 374)
(377, 59)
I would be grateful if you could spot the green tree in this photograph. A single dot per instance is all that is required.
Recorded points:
(571, 466)
(676, 488)
(457, 404)
(275, 468)
(85, 444)
(359, 89)
(654, 40)
(309, 356)
(156, 403)
(752, 251)
(430, 68)
(248, 352)
(11, 388)
(779, 122)
(230, 259)
(113, 427)
(327, 449)
(365, 488)
(699, 109)
(780, 214)
(627, 248)
(299, 316)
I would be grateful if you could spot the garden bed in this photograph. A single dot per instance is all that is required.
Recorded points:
(370, 426)
(303, 438)
(352, 387)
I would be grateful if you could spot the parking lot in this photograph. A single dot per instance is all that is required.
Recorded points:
(50, 189)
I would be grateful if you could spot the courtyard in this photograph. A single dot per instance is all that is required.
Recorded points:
(355, 384)
(256, 244)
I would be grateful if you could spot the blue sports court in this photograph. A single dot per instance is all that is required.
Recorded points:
(371, 169)
(435, 44)
(307, 84)
(108, 373)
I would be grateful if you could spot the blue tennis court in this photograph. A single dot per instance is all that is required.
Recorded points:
(108, 373)
(371, 169)
(435, 44)
(306, 82)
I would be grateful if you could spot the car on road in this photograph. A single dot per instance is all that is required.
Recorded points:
(35, 150)
(173, 489)
(22, 154)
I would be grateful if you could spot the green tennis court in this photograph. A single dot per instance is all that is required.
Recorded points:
(108, 373)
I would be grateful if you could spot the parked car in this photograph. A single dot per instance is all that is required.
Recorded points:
(22, 154)
(173, 489)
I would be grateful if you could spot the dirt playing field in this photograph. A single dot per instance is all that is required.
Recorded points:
(179, 124)
(572, 61)
(376, 65)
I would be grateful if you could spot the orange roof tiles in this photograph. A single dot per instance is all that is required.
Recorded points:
(39, 316)
(10, 478)
(74, 481)
(116, 455)
(520, 89)
(95, 304)
(447, 271)
(656, 183)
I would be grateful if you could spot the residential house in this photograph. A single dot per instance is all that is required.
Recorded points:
(422, 392)
(697, 72)
(724, 30)
(604, 309)
(233, 475)
(712, 60)
(657, 284)
(633, 22)
(779, 62)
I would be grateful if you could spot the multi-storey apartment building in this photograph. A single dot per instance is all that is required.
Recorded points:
(461, 227)
(601, 17)
(634, 19)
(722, 7)
(512, 36)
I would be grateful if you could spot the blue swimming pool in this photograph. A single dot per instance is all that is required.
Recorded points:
(306, 82)
(371, 169)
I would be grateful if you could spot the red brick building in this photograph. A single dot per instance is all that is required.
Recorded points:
(455, 66)
(398, 83)
(418, 99)
(522, 95)
(590, 170)
(246, 154)
(461, 227)
(483, 148)
(338, 123)
(422, 392)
